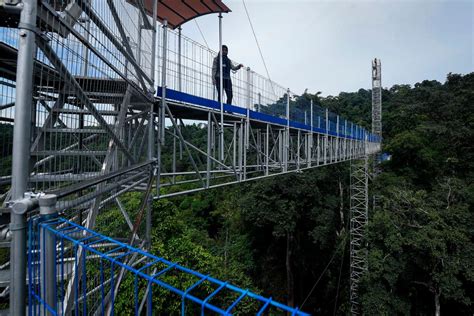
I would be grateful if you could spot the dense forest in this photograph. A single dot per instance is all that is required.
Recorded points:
(287, 236)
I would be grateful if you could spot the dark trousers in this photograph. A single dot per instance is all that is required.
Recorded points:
(227, 83)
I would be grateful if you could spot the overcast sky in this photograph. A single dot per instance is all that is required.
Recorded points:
(328, 45)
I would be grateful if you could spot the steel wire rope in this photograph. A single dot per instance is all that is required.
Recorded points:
(258, 46)
(202, 35)
(339, 278)
(324, 271)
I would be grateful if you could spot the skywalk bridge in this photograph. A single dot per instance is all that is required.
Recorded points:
(96, 101)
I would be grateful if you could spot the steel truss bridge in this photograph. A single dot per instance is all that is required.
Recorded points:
(93, 96)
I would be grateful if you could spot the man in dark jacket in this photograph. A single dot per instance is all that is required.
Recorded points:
(227, 66)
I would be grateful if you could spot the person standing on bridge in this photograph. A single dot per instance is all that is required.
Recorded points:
(227, 66)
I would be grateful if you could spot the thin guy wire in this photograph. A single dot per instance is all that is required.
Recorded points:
(322, 273)
(339, 279)
(200, 31)
(258, 46)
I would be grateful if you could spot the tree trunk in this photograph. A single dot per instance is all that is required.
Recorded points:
(289, 272)
(341, 207)
(437, 305)
(225, 250)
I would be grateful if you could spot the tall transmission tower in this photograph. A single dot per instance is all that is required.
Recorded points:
(359, 200)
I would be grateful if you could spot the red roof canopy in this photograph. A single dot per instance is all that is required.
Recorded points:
(178, 12)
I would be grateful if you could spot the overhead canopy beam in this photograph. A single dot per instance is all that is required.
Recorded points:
(179, 12)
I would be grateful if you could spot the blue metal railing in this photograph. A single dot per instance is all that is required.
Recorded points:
(106, 257)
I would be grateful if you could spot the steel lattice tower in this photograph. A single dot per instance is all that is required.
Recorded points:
(376, 98)
(376, 108)
(358, 221)
(359, 201)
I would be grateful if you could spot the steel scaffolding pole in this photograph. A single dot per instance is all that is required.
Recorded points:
(286, 142)
(21, 152)
(47, 209)
(221, 90)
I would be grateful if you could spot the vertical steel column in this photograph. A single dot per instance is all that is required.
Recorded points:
(259, 101)
(337, 139)
(84, 71)
(180, 88)
(180, 143)
(318, 151)
(345, 139)
(244, 140)
(280, 148)
(247, 125)
(163, 81)
(139, 40)
(221, 90)
(151, 127)
(359, 141)
(21, 152)
(151, 143)
(310, 145)
(306, 148)
(153, 46)
(267, 143)
(298, 150)
(161, 110)
(259, 149)
(47, 209)
(286, 145)
(149, 206)
(351, 147)
(357, 149)
(241, 141)
(326, 144)
(173, 162)
(209, 135)
(234, 147)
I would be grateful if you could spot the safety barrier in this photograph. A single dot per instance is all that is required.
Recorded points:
(55, 242)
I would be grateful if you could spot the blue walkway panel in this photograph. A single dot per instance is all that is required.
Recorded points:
(267, 118)
(106, 258)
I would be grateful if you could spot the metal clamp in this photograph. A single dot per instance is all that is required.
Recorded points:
(47, 204)
(26, 204)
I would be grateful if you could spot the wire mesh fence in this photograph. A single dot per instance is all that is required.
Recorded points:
(121, 278)
(189, 70)
(92, 78)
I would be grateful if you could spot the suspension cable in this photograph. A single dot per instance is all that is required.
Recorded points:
(258, 46)
(205, 42)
